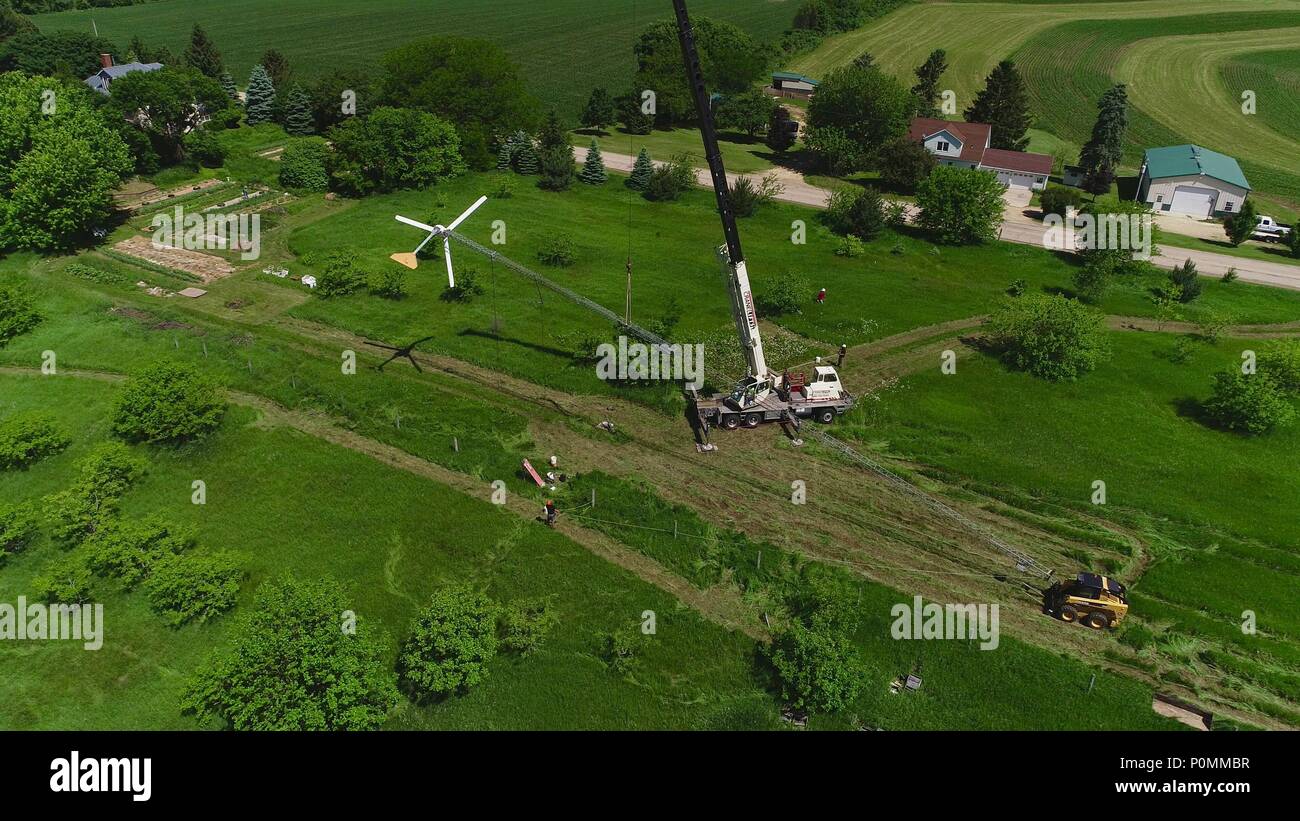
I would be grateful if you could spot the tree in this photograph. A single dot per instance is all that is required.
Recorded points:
(523, 154)
(747, 112)
(960, 206)
(1058, 199)
(166, 105)
(1111, 211)
(168, 402)
(1187, 280)
(70, 54)
(305, 163)
(747, 195)
(228, 86)
(642, 170)
(450, 645)
(277, 66)
(341, 274)
(865, 106)
(593, 170)
(780, 135)
(1241, 226)
(1049, 336)
(1251, 404)
(818, 668)
(299, 661)
(297, 113)
(836, 152)
(1102, 153)
(1093, 277)
(390, 283)
(202, 54)
(11, 23)
(599, 112)
(731, 61)
(27, 438)
(19, 527)
(394, 149)
(470, 83)
(194, 588)
(1281, 361)
(671, 179)
(260, 97)
(864, 60)
(339, 96)
(632, 114)
(1004, 104)
(128, 550)
(857, 212)
(904, 164)
(18, 313)
(928, 76)
(555, 155)
(785, 295)
(103, 476)
(1292, 241)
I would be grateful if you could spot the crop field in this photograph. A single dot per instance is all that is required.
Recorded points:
(1274, 76)
(1074, 51)
(564, 47)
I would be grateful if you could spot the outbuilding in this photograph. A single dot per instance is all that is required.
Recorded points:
(1193, 180)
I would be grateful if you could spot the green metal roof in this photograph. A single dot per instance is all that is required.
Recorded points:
(790, 75)
(1193, 160)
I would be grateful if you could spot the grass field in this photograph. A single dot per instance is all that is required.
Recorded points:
(319, 36)
(1274, 76)
(740, 154)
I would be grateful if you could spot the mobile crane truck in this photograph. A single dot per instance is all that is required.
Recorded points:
(762, 395)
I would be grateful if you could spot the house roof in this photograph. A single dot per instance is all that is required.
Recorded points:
(101, 79)
(974, 137)
(794, 77)
(1017, 161)
(1191, 161)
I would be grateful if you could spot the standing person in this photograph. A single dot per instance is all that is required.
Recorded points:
(550, 513)
(839, 363)
(821, 297)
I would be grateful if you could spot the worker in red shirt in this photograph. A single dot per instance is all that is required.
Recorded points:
(550, 513)
(821, 297)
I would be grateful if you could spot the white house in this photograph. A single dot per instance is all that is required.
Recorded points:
(968, 145)
(1189, 179)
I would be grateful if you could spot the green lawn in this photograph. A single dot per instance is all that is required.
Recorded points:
(740, 154)
(564, 48)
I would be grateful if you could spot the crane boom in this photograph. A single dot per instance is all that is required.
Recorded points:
(759, 384)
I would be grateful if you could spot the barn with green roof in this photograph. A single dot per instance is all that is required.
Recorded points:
(1192, 180)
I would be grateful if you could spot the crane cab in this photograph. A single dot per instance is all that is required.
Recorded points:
(824, 385)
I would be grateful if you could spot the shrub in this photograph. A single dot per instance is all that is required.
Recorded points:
(1231, 274)
(857, 211)
(1249, 403)
(64, 579)
(1188, 281)
(525, 625)
(18, 529)
(466, 287)
(1049, 336)
(670, 180)
(103, 477)
(1017, 287)
(450, 644)
(642, 170)
(896, 214)
(18, 314)
(304, 165)
(204, 148)
(960, 206)
(389, 283)
(850, 246)
(787, 294)
(817, 667)
(1057, 199)
(341, 274)
(558, 251)
(1281, 361)
(92, 274)
(619, 650)
(1241, 226)
(168, 402)
(27, 438)
(128, 550)
(905, 164)
(747, 196)
(193, 588)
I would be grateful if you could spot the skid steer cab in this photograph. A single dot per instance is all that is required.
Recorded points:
(1097, 601)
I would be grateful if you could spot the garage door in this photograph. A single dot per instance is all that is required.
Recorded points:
(1199, 202)
(1016, 179)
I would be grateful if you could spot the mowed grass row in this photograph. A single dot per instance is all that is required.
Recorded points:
(1274, 76)
(1078, 61)
(292, 504)
(564, 47)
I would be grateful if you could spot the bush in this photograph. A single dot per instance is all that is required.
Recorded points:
(1281, 361)
(960, 206)
(747, 196)
(1017, 287)
(389, 283)
(1188, 281)
(1049, 336)
(128, 550)
(65, 579)
(670, 180)
(787, 294)
(1249, 403)
(1056, 199)
(856, 211)
(905, 164)
(105, 474)
(341, 275)
(18, 529)
(18, 314)
(1241, 226)
(450, 644)
(896, 214)
(27, 438)
(558, 251)
(304, 165)
(619, 650)
(202, 146)
(466, 287)
(92, 274)
(525, 625)
(168, 402)
(817, 667)
(850, 247)
(191, 588)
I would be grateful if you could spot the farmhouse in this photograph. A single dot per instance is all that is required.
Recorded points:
(1189, 179)
(102, 79)
(789, 84)
(967, 145)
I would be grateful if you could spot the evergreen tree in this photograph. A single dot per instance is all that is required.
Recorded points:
(1105, 148)
(865, 60)
(555, 154)
(642, 170)
(505, 153)
(524, 154)
(926, 90)
(277, 65)
(1003, 104)
(228, 86)
(138, 50)
(593, 170)
(297, 113)
(260, 100)
(780, 136)
(1241, 226)
(599, 112)
(202, 54)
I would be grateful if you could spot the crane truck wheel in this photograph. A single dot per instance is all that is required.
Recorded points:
(1097, 621)
(752, 420)
(825, 415)
(1069, 614)
(731, 421)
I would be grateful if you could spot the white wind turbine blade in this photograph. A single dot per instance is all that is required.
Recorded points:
(446, 252)
(465, 215)
(419, 225)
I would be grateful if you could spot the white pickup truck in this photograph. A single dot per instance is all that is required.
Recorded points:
(1269, 230)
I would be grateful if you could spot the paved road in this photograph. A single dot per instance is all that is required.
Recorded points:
(1020, 225)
